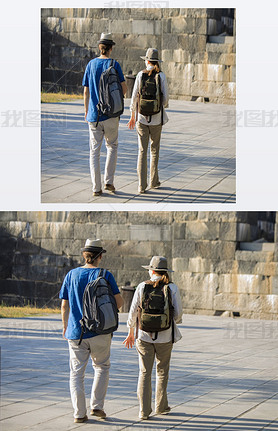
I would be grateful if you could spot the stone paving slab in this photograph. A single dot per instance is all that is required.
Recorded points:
(223, 376)
(197, 156)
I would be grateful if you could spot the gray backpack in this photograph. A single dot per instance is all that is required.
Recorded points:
(111, 97)
(100, 312)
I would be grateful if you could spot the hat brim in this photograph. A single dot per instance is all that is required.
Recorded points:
(94, 249)
(157, 269)
(106, 42)
(151, 59)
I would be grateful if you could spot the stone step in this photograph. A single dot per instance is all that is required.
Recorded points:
(257, 246)
(221, 39)
(257, 256)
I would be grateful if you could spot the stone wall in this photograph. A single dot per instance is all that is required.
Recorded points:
(224, 262)
(199, 64)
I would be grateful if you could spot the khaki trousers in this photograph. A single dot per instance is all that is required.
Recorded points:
(98, 348)
(147, 352)
(144, 133)
(107, 129)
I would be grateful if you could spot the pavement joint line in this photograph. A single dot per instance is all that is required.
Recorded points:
(211, 408)
(187, 184)
(243, 413)
(208, 190)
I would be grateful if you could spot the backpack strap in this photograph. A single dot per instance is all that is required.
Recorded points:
(82, 332)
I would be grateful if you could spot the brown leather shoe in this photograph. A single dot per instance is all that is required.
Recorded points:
(110, 188)
(165, 412)
(97, 193)
(80, 420)
(99, 413)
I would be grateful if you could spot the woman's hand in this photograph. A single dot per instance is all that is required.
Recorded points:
(129, 341)
(131, 123)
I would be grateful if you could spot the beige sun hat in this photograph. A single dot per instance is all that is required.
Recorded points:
(94, 246)
(106, 39)
(151, 55)
(158, 263)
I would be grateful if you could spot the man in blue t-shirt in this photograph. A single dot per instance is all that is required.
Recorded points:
(107, 127)
(94, 345)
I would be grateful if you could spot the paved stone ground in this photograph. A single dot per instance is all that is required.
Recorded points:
(223, 376)
(197, 157)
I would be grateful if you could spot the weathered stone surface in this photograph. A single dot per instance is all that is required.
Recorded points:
(201, 248)
(179, 34)
(202, 230)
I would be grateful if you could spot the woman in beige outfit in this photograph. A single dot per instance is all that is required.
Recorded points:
(149, 348)
(149, 128)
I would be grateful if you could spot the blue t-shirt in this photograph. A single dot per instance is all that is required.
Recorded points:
(72, 290)
(91, 79)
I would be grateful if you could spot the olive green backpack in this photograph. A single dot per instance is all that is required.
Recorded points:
(155, 313)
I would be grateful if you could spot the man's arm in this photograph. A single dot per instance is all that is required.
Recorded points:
(119, 300)
(86, 100)
(124, 87)
(65, 314)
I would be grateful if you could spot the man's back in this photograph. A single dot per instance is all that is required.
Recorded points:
(91, 79)
(72, 290)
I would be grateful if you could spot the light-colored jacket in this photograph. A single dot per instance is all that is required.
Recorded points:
(156, 118)
(163, 336)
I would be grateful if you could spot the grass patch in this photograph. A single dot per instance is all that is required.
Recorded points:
(59, 97)
(12, 312)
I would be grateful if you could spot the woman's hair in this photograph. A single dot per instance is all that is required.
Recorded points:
(104, 48)
(156, 68)
(90, 257)
(165, 279)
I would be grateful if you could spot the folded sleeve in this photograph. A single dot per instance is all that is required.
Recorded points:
(64, 293)
(135, 92)
(177, 303)
(85, 81)
(132, 315)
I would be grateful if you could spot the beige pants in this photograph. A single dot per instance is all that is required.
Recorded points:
(144, 133)
(99, 349)
(147, 352)
(107, 129)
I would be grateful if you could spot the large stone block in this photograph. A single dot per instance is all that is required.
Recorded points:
(134, 263)
(143, 27)
(150, 233)
(52, 230)
(228, 59)
(228, 231)
(148, 217)
(85, 230)
(202, 230)
(180, 264)
(183, 25)
(200, 265)
(62, 246)
(197, 43)
(170, 41)
(121, 26)
(19, 229)
(217, 250)
(183, 216)
(106, 217)
(194, 12)
(184, 248)
(247, 284)
(201, 26)
(254, 256)
(6, 216)
(113, 232)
